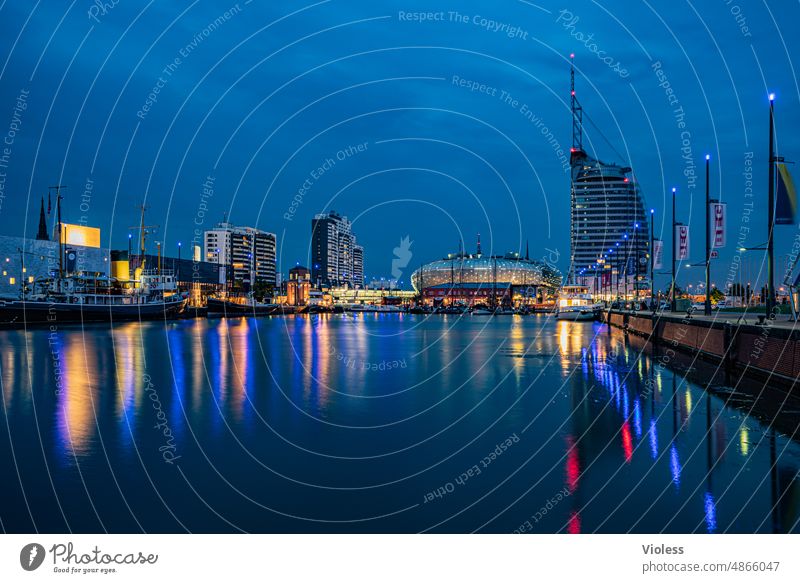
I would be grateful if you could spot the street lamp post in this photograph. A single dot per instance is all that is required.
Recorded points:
(672, 289)
(627, 263)
(652, 261)
(770, 303)
(636, 261)
(707, 306)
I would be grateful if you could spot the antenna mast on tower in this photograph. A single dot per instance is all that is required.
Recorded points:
(577, 112)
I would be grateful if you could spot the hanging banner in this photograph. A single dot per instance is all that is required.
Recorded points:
(682, 239)
(786, 202)
(658, 253)
(717, 216)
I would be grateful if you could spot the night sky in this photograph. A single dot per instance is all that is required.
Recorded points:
(259, 95)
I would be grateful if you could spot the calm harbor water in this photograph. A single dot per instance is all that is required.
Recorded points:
(380, 423)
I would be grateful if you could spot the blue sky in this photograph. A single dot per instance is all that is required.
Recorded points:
(263, 98)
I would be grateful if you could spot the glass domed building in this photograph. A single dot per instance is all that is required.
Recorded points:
(471, 279)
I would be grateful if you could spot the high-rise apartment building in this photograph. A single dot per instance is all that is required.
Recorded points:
(336, 259)
(249, 253)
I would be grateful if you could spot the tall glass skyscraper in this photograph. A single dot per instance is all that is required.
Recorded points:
(609, 230)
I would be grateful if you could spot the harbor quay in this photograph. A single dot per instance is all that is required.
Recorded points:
(752, 345)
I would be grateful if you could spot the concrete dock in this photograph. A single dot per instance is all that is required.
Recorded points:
(742, 343)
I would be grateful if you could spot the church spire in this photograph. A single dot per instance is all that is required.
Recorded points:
(479, 245)
(42, 234)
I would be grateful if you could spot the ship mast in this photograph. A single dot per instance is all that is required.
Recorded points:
(143, 231)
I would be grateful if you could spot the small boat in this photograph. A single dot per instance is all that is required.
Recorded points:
(419, 310)
(456, 310)
(576, 303)
(248, 306)
(481, 310)
(372, 308)
(314, 309)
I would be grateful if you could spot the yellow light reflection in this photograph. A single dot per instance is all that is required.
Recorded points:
(744, 441)
(77, 400)
(563, 336)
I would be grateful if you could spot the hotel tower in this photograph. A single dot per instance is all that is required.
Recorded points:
(609, 230)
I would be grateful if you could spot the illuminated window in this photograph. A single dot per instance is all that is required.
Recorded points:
(30, 279)
(12, 280)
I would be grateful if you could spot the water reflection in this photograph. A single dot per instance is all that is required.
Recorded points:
(268, 404)
(77, 405)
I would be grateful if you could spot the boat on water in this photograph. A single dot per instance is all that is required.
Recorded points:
(314, 309)
(372, 308)
(576, 303)
(82, 298)
(244, 306)
(482, 310)
(455, 309)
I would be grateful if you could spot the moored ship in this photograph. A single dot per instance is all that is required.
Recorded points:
(83, 298)
(241, 307)
(576, 303)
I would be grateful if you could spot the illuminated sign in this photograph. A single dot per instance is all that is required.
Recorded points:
(80, 235)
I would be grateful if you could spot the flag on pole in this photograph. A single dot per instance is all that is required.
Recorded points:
(786, 201)
(682, 238)
(658, 253)
(718, 215)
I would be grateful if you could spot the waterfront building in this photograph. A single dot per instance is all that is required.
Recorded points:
(199, 278)
(336, 259)
(22, 260)
(298, 287)
(609, 230)
(371, 296)
(477, 279)
(608, 223)
(248, 253)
